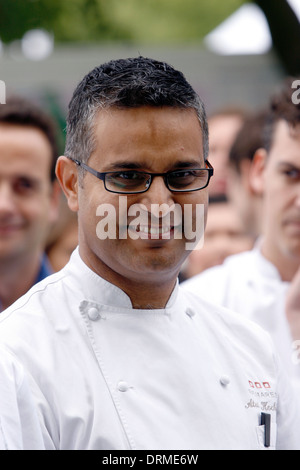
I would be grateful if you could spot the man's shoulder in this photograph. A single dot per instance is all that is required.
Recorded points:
(214, 310)
(29, 328)
(233, 267)
(228, 322)
(35, 302)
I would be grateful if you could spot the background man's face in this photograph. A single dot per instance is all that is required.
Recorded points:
(25, 190)
(152, 140)
(282, 191)
(222, 132)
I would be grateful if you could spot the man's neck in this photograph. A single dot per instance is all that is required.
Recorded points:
(144, 295)
(286, 266)
(16, 277)
(152, 293)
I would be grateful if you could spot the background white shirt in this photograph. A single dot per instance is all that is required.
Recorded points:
(249, 284)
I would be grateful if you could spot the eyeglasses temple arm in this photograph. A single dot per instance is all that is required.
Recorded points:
(88, 168)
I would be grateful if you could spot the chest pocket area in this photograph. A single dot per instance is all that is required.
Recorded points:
(260, 432)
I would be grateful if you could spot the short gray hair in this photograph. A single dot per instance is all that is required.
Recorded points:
(126, 83)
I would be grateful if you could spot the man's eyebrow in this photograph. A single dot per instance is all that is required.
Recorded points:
(126, 165)
(188, 164)
(289, 165)
(30, 178)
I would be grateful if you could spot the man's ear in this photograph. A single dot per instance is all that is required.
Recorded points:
(55, 201)
(67, 175)
(257, 169)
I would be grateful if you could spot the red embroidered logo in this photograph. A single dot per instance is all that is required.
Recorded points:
(259, 384)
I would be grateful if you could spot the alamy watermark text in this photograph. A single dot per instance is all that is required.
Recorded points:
(296, 94)
(157, 222)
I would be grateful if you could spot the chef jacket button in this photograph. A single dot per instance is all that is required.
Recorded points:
(225, 380)
(190, 312)
(93, 314)
(123, 386)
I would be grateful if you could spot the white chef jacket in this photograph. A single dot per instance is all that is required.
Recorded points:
(107, 376)
(250, 284)
(19, 424)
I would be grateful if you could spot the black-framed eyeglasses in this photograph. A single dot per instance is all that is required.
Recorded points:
(135, 181)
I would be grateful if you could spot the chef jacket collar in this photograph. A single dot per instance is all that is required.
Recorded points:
(97, 289)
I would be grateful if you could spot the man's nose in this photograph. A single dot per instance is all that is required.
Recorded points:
(7, 200)
(158, 200)
(158, 195)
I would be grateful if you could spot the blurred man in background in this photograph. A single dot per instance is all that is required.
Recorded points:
(223, 127)
(28, 196)
(242, 194)
(234, 218)
(225, 235)
(255, 283)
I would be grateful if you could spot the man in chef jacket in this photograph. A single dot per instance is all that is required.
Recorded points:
(117, 354)
(19, 424)
(262, 284)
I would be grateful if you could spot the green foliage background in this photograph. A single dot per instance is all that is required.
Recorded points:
(150, 21)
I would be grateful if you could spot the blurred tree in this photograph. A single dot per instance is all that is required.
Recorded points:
(285, 30)
(69, 20)
(18, 16)
(91, 20)
(88, 20)
(151, 21)
(170, 21)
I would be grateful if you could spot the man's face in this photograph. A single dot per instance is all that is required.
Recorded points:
(222, 132)
(282, 193)
(154, 140)
(25, 190)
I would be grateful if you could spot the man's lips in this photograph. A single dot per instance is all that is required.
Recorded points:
(153, 232)
(294, 226)
(9, 228)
